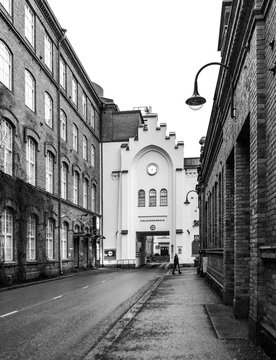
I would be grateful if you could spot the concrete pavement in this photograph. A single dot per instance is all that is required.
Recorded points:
(180, 317)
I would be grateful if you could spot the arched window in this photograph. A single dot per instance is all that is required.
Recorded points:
(48, 110)
(163, 197)
(76, 181)
(84, 147)
(93, 198)
(6, 146)
(29, 90)
(31, 161)
(64, 180)
(5, 65)
(63, 125)
(6, 235)
(50, 239)
(75, 137)
(64, 240)
(49, 172)
(85, 193)
(141, 198)
(31, 238)
(152, 197)
(92, 155)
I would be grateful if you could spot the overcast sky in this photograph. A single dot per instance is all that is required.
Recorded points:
(147, 53)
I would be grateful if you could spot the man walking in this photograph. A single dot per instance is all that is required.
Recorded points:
(176, 264)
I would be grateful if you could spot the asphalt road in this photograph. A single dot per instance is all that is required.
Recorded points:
(64, 319)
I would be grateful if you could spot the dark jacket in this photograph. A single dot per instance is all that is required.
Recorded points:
(175, 260)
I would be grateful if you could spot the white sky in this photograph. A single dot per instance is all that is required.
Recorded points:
(147, 53)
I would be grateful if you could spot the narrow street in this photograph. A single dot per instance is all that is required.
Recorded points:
(65, 318)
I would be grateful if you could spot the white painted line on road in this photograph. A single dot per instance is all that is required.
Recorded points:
(85, 287)
(10, 313)
(57, 297)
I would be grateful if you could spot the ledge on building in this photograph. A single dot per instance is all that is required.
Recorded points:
(268, 252)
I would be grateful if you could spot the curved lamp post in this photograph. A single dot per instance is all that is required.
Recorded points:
(187, 202)
(196, 101)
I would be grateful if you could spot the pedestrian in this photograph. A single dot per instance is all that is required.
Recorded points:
(176, 264)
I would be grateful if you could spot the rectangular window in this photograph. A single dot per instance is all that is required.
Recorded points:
(50, 239)
(31, 161)
(48, 52)
(76, 188)
(6, 235)
(29, 24)
(7, 5)
(93, 198)
(85, 193)
(48, 110)
(84, 106)
(92, 117)
(64, 238)
(75, 137)
(6, 150)
(31, 238)
(62, 73)
(63, 125)
(84, 147)
(92, 155)
(74, 91)
(49, 172)
(29, 90)
(64, 173)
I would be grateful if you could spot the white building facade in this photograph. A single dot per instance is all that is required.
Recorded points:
(144, 189)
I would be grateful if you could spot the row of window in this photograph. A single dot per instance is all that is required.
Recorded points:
(6, 67)
(7, 237)
(163, 198)
(6, 158)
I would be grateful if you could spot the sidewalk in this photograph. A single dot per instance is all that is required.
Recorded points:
(179, 318)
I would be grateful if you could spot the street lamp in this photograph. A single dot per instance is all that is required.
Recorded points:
(187, 202)
(196, 101)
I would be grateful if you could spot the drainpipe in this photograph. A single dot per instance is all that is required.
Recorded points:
(59, 153)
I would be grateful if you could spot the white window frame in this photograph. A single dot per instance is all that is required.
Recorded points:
(75, 137)
(152, 198)
(7, 4)
(84, 105)
(5, 65)
(64, 240)
(92, 155)
(84, 147)
(63, 125)
(29, 24)
(6, 147)
(48, 110)
(64, 180)
(92, 117)
(6, 235)
(74, 91)
(48, 52)
(31, 161)
(76, 184)
(50, 231)
(31, 238)
(93, 197)
(85, 193)
(62, 73)
(50, 172)
(29, 90)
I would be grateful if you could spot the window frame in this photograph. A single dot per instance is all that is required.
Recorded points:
(30, 88)
(29, 24)
(84, 105)
(31, 238)
(62, 73)
(141, 199)
(64, 181)
(163, 197)
(50, 172)
(93, 197)
(50, 239)
(48, 109)
(64, 240)
(63, 125)
(92, 117)
(7, 5)
(152, 198)
(92, 160)
(76, 187)
(74, 91)
(48, 52)
(85, 193)
(6, 235)
(31, 149)
(7, 61)
(7, 138)
(75, 137)
(84, 147)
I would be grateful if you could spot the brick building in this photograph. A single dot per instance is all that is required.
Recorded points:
(49, 148)
(237, 173)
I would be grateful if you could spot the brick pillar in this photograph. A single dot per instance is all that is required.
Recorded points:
(228, 234)
(241, 229)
